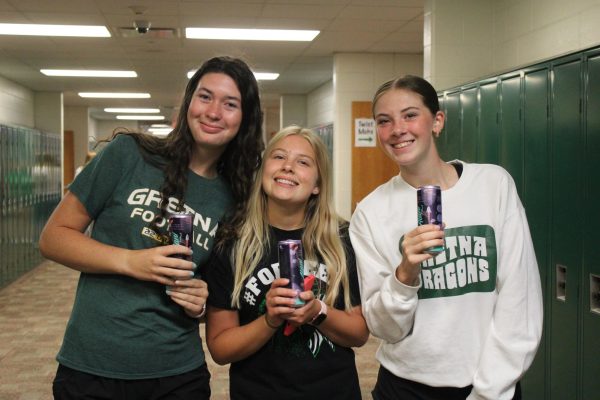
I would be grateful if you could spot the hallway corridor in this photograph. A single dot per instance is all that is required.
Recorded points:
(33, 314)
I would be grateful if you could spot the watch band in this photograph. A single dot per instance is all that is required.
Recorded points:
(321, 316)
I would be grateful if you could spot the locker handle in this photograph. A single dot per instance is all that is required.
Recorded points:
(561, 282)
(595, 294)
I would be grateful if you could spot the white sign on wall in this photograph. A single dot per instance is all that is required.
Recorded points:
(364, 132)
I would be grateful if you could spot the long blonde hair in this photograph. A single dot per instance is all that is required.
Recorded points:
(321, 236)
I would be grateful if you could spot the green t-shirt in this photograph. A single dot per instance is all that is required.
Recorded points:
(121, 327)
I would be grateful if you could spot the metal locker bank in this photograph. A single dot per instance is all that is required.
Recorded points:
(30, 188)
(542, 124)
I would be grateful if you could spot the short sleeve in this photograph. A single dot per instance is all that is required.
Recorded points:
(351, 265)
(96, 183)
(218, 274)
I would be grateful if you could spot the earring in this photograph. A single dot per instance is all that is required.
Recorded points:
(436, 134)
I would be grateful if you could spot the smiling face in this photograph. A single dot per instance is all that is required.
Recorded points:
(215, 112)
(290, 174)
(405, 127)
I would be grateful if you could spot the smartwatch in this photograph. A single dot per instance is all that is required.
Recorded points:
(321, 316)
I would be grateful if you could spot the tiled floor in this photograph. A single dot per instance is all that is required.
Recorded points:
(33, 314)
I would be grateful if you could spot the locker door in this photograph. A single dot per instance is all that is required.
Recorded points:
(10, 218)
(488, 124)
(19, 216)
(590, 306)
(567, 152)
(536, 199)
(452, 127)
(469, 139)
(511, 144)
(3, 202)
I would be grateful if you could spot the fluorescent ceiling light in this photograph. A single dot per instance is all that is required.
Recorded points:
(89, 73)
(266, 76)
(132, 110)
(142, 117)
(260, 76)
(161, 126)
(160, 131)
(108, 95)
(54, 30)
(251, 34)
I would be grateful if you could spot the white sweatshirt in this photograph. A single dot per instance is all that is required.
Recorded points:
(476, 316)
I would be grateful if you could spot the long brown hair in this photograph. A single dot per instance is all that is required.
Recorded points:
(241, 158)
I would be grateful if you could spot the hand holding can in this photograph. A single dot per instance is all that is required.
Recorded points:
(181, 232)
(291, 266)
(429, 210)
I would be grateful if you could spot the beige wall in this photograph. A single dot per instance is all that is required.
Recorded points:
(535, 30)
(271, 122)
(319, 105)
(470, 39)
(292, 110)
(103, 129)
(16, 104)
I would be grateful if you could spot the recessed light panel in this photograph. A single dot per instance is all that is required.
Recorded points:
(260, 76)
(142, 117)
(89, 73)
(133, 110)
(251, 34)
(54, 30)
(109, 95)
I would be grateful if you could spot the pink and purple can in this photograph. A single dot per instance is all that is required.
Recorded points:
(429, 210)
(291, 266)
(181, 231)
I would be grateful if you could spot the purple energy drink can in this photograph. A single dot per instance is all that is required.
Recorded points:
(181, 231)
(291, 266)
(429, 210)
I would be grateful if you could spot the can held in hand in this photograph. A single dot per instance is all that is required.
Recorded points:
(291, 266)
(429, 209)
(181, 231)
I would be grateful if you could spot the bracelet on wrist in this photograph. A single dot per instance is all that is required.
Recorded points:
(269, 324)
(201, 313)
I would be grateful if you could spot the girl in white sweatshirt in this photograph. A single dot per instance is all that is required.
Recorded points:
(462, 324)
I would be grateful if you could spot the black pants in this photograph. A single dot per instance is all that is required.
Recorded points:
(70, 384)
(392, 387)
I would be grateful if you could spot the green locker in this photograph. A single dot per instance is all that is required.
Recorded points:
(469, 137)
(511, 144)
(452, 127)
(10, 218)
(542, 123)
(3, 202)
(566, 259)
(488, 124)
(590, 305)
(537, 201)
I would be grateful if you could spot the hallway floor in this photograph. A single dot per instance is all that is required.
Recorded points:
(33, 314)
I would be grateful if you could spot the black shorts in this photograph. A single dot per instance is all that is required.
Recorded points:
(392, 387)
(70, 384)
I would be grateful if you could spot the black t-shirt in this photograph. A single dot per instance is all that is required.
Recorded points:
(304, 365)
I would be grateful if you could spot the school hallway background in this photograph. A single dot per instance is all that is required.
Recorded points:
(33, 315)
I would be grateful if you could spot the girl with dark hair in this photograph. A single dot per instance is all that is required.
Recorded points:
(129, 336)
(275, 350)
(460, 323)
